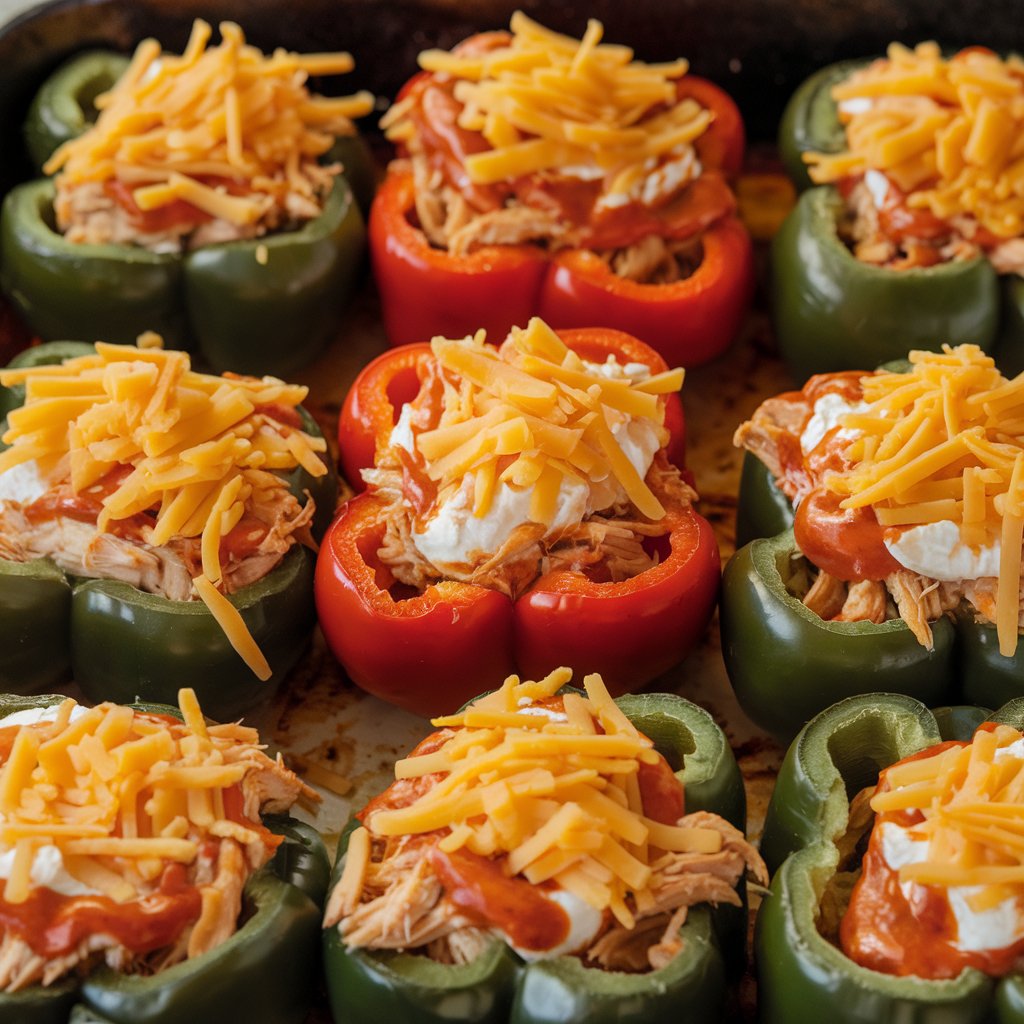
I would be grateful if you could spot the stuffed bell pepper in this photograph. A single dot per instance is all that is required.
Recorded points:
(915, 231)
(155, 525)
(521, 512)
(203, 202)
(538, 859)
(140, 879)
(899, 894)
(902, 570)
(539, 174)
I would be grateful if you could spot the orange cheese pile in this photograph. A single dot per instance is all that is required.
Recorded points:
(545, 101)
(199, 446)
(951, 132)
(558, 800)
(171, 123)
(946, 442)
(973, 807)
(120, 793)
(531, 414)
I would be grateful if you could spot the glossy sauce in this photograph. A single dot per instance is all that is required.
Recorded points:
(53, 924)
(176, 213)
(884, 931)
(86, 506)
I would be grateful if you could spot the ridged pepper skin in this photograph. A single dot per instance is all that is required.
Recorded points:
(119, 642)
(802, 977)
(833, 312)
(366, 986)
(264, 974)
(785, 663)
(239, 310)
(64, 106)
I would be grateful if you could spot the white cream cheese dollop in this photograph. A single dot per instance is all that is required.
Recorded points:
(828, 411)
(584, 923)
(455, 536)
(23, 483)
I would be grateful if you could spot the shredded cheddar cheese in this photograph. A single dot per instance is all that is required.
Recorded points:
(948, 131)
(945, 442)
(557, 798)
(971, 799)
(199, 449)
(544, 100)
(533, 413)
(228, 113)
(118, 793)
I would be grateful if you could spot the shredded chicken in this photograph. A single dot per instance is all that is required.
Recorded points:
(776, 423)
(79, 548)
(450, 222)
(826, 596)
(88, 213)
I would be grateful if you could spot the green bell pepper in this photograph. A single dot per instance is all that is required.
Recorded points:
(802, 977)
(367, 986)
(813, 662)
(264, 973)
(262, 305)
(64, 106)
(834, 312)
(119, 642)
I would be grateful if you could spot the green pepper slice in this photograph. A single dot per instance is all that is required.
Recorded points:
(786, 663)
(119, 642)
(64, 106)
(802, 976)
(834, 312)
(365, 985)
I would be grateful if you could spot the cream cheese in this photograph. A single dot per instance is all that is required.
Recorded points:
(23, 483)
(828, 411)
(977, 930)
(936, 550)
(584, 923)
(48, 872)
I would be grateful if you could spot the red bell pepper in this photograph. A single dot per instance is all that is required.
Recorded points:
(426, 291)
(689, 322)
(431, 652)
(372, 405)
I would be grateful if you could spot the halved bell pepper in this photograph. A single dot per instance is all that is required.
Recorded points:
(802, 977)
(374, 401)
(263, 305)
(264, 973)
(833, 312)
(437, 649)
(814, 662)
(431, 652)
(120, 642)
(366, 986)
(427, 291)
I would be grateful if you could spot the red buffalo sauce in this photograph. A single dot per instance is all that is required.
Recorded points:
(53, 924)
(886, 930)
